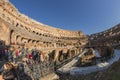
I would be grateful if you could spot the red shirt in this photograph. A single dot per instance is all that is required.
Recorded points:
(17, 52)
(30, 56)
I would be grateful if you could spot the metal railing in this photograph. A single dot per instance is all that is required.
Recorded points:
(36, 71)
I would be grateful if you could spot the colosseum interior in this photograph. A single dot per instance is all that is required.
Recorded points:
(18, 30)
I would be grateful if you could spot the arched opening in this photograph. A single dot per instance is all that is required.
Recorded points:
(51, 55)
(29, 40)
(72, 53)
(60, 57)
(11, 33)
(18, 39)
(37, 33)
(33, 31)
(17, 24)
(33, 41)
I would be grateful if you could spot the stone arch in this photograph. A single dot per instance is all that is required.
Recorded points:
(17, 24)
(29, 40)
(18, 39)
(33, 31)
(40, 34)
(72, 53)
(23, 40)
(60, 57)
(47, 44)
(37, 33)
(34, 41)
(51, 55)
(11, 37)
(44, 44)
(40, 44)
(25, 27)
(65, 54)
(50, 44)
(21, 26)
(69, 53)
(37, 41)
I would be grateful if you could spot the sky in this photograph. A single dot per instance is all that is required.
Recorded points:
(88, 16)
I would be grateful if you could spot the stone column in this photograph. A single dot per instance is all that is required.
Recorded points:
(69, 52)
(56, 55)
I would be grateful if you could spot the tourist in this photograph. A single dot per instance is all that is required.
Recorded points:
(27, 53)
(23, 50)
(22, 70)
(9, 55)
(4, 54)
(17, 52)
(9, 72)
(1, 54)
(14, 55)
(30, 56)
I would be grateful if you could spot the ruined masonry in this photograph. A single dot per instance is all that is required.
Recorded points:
(18, 29)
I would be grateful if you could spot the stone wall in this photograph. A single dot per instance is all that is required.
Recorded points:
(18, 29)
(108, 37)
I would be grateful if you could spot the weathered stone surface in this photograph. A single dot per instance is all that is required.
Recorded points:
(109, 37)
(18, 29)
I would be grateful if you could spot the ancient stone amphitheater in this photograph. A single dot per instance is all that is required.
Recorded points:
(17, 29)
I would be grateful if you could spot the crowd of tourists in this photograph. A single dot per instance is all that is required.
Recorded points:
(15, 59)
(18, 54)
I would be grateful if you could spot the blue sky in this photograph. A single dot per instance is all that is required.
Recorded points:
(89, 16)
